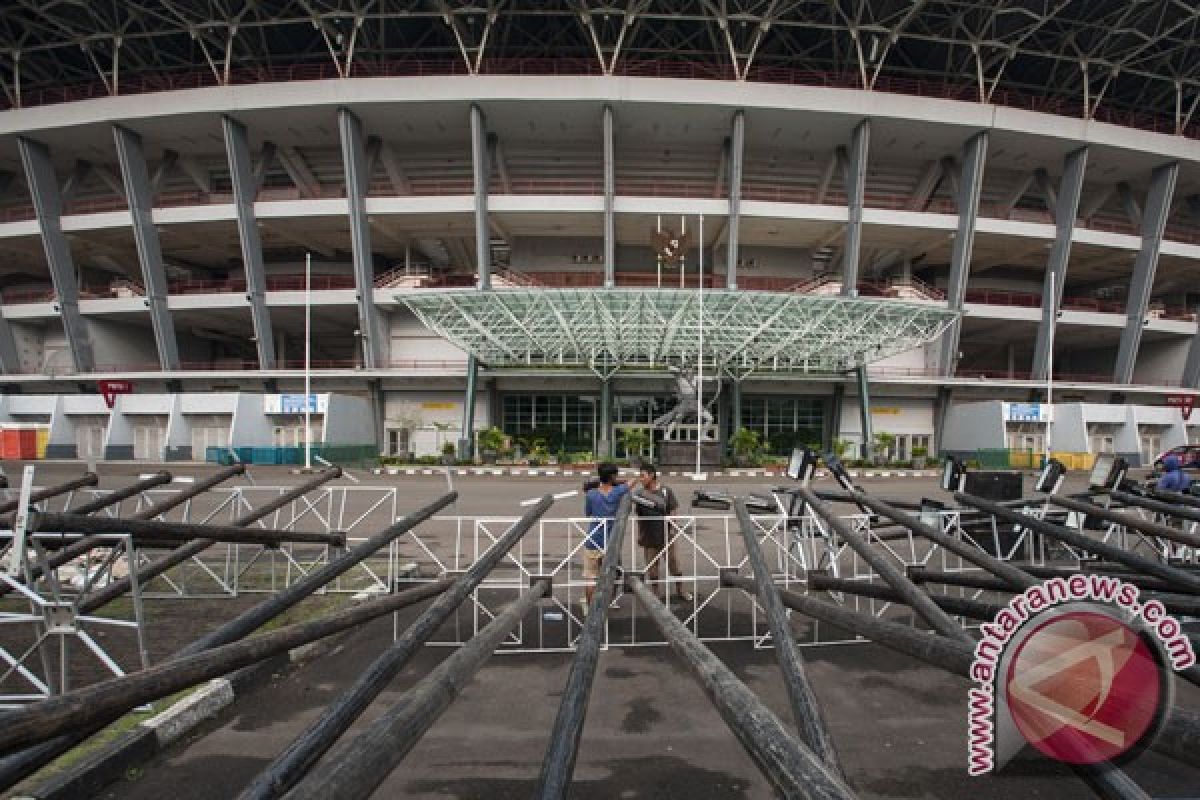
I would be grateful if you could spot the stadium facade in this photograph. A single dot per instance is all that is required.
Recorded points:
(1033, 170)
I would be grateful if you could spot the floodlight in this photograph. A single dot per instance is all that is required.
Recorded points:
(1051, 477)
(954, 475)
(838, 470)
(1107, 471)
(802, 465)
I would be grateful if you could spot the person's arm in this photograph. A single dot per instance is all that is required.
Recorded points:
(648, 500)
(672, 501)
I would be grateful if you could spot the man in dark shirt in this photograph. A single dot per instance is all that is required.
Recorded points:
(654, 502)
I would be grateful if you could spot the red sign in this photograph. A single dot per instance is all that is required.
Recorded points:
(1184, 402)
(110, 389)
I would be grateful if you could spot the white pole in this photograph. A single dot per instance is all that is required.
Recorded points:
(1050, 363)
(682, 250)
(700, 351)
(658, 256)
(308, 361)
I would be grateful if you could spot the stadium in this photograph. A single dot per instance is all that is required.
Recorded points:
(484, 192)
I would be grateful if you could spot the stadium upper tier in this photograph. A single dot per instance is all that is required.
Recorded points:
(155, 228)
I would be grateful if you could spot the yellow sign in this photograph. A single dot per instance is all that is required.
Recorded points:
(890, 410)
(431, 406)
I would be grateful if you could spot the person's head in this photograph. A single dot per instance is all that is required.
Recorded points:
(1172, 463)
(607, 473)
(649, 473)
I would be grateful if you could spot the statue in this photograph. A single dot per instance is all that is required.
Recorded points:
(686, 407)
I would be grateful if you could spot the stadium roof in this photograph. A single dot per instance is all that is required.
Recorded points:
(744, 332)
(1083, 56)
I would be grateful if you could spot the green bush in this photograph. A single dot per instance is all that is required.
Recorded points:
(491, 439)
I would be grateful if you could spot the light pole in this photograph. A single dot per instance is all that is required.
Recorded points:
(700, 352)
(307, 362)
(1050, 364)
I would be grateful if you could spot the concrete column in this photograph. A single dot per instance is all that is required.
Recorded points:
(1065, 210)
(737, 147)
(1154, 222)
(610, 191)
(47, 203)
(604, 444)
(466, 444)
(1191, 369)
(735, 405)
(10, 361)
(136, 178)
(354, 162)
(969, 187)
(245, 190)
(836, 402)
(941, 409)
(481, 170)
(864, 410)
(856, 181)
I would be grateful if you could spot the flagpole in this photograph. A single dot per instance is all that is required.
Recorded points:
(700, 352)
(307, 361)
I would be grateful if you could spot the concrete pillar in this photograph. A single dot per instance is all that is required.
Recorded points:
(481, 170)
(354, 162)
(864, 402)
(737, 147)
(10, 360)
(245, 190)
(610, 191)
(836, 402)
(856, 181)
(466, 444)
(136, 178)
(969, 187)
(604, 444)
(735, 405)
(941, 408)
(1141, 286)
(1065, 210)
(47, 204)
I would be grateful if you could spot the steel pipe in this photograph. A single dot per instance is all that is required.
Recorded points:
(291, 765)
(1128, 520)
(937, 619)
(124, 493)
(357, 767)
(184, 532)
(1179, 511)
(1185, 580)
(806, 711)
(86, 479)
(101, 701)
(155, 568)
(1178, 498)
(559, 763)
(793, 769)
(1001, 569)
(962, 606)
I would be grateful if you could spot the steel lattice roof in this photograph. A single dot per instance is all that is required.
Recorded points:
(1094, 54)
(744, 332)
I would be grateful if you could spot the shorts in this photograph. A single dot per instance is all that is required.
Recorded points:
(591, 564)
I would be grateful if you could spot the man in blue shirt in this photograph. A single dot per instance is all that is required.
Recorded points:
(600, 505)
(1173, 479)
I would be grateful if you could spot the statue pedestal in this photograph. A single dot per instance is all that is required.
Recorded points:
(683, 454)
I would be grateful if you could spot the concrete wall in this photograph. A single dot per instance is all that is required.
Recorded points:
(348, 421)
(433, 417)
(889, 414)
(974, 426)
(409, 339)
(120, 343)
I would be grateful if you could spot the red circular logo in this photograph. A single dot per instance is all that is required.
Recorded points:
(1084, 687)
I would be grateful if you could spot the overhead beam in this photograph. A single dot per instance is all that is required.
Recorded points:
(305, 241)
(197, 172)
(836, 160)
(245, 190)
(926, 185)
(1015, 194)
(1065, 211)
(354, 162)
(610, 191)
(496, 156)
(47, 203)
(856, 179)
(298, 170)
(480, 172)
(169, 159)
(394, 169)
(737, 147)
(1129, 203)
(1141, 285)
(969, 189)
(259, 171)
(138, 192)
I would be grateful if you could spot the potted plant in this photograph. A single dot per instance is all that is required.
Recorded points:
(919, 455)
(841, 447)
(491, 441)
(884, 444)
(448, 453)
(538, 454)
(746, 445)
(635, 441)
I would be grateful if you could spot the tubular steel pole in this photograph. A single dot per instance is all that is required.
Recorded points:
(291, 765)
(1178, 498)
(101, 701)
(962, 606)
(184, 532)
(1129, 520)
(87, 479)
(937, 619)
(87, 543)
(1001, 569)
(1158, 506)
(360, 765)
(1180, 731)
(125, 492)
(792, 768)
(559, 763)
(16, 766)
(806, 711)
(155, 568)
(1177, 577)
